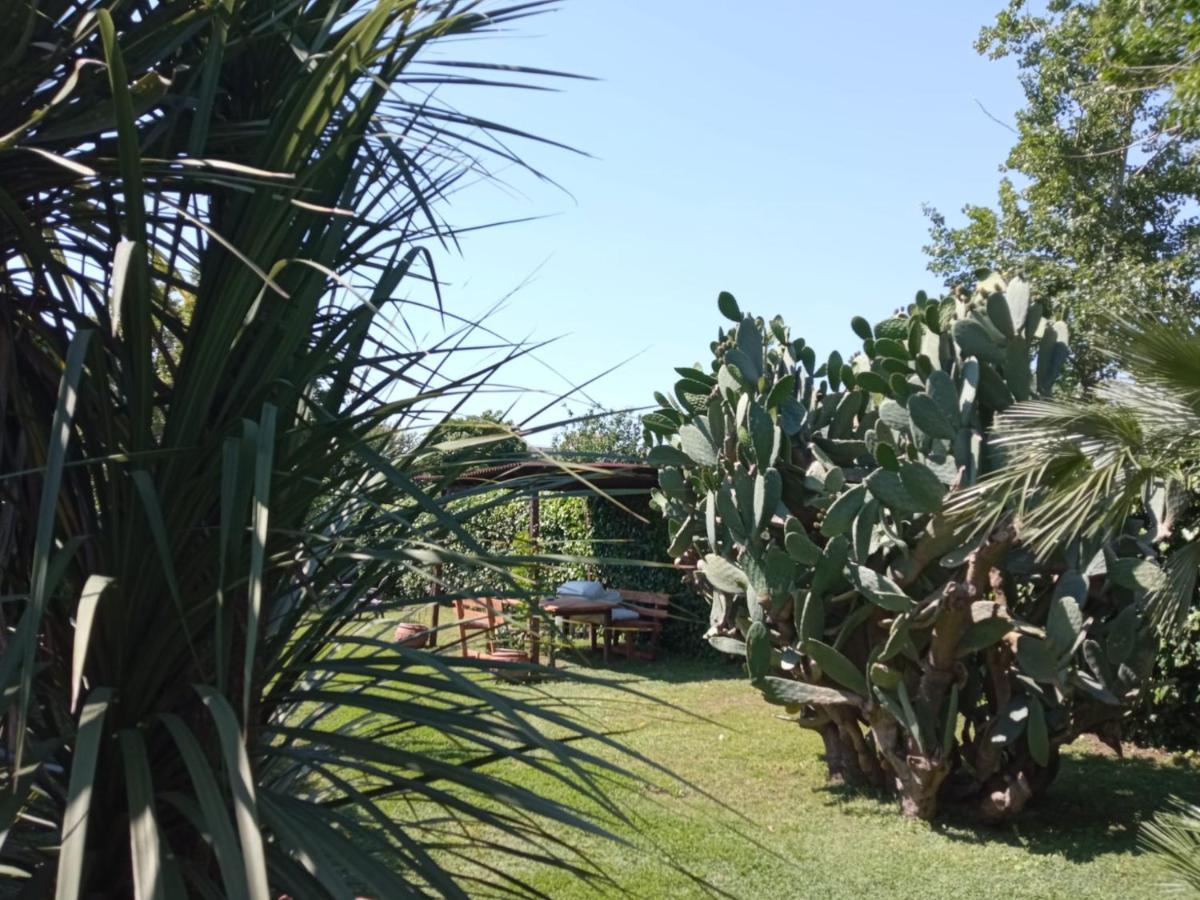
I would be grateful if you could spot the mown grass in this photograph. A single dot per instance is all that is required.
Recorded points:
(775, 830)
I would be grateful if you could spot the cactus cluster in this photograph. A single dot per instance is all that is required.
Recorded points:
(811, 499)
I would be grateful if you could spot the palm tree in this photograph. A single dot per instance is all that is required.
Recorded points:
(1121, 462)
(213, 220)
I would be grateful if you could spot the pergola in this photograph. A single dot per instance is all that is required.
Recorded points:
(535, 477)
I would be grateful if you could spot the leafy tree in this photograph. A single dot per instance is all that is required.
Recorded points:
(603, 434)
(475, 440)
(1097, 208)
(1155, 47)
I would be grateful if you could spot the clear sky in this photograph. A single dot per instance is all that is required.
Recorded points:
(778, 149)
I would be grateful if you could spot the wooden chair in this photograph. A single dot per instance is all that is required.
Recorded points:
(478, 615)
(483, 615)
(652, 612)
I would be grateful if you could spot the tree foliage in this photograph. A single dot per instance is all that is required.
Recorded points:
(475, 440)
(1098, 206)
(1154, 48)
(603, 435)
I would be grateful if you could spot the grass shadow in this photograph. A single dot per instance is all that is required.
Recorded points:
(1094, 807)
(668, 670)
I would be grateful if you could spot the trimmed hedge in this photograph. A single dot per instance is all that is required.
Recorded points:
(1170, 714)
(617, 533)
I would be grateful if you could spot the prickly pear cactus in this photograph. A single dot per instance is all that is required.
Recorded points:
(810, 498)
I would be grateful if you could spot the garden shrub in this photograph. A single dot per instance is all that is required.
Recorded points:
(618, 533)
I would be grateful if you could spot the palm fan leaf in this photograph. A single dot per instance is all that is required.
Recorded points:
(1173, 837)
(1081, 468)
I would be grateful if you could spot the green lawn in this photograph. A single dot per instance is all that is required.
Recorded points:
(814, 841)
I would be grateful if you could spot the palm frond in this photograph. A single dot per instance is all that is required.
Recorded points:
(1160, 354)
(1173, 838)
(1071, 469)
(213, 224)
(1063, 469)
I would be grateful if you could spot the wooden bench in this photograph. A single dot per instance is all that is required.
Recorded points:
(652, 612)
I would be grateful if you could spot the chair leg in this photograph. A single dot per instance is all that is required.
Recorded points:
(592, 628)
(462, 632)
(535, 634)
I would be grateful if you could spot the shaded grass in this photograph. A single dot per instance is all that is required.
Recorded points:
(779, 831)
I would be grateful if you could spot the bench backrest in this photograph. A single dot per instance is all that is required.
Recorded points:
(649, 605)
(479, 613)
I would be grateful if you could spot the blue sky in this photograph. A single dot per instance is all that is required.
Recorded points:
(779, 150)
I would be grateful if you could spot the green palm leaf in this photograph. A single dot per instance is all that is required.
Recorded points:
(1173, 837)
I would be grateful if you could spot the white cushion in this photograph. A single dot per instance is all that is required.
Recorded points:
(589, 590)
(621, 614)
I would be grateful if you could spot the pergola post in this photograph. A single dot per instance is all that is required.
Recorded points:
(535, 527)
(436, 590)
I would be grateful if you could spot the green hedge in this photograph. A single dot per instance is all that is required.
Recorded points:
(503, 528)
(617, 533)
(1170, 714)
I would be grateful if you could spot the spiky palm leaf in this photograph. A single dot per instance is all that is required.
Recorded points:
(1082, 468)
(210, 215)
(1173, 837)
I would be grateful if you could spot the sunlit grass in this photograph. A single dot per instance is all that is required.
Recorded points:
(775, 829)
